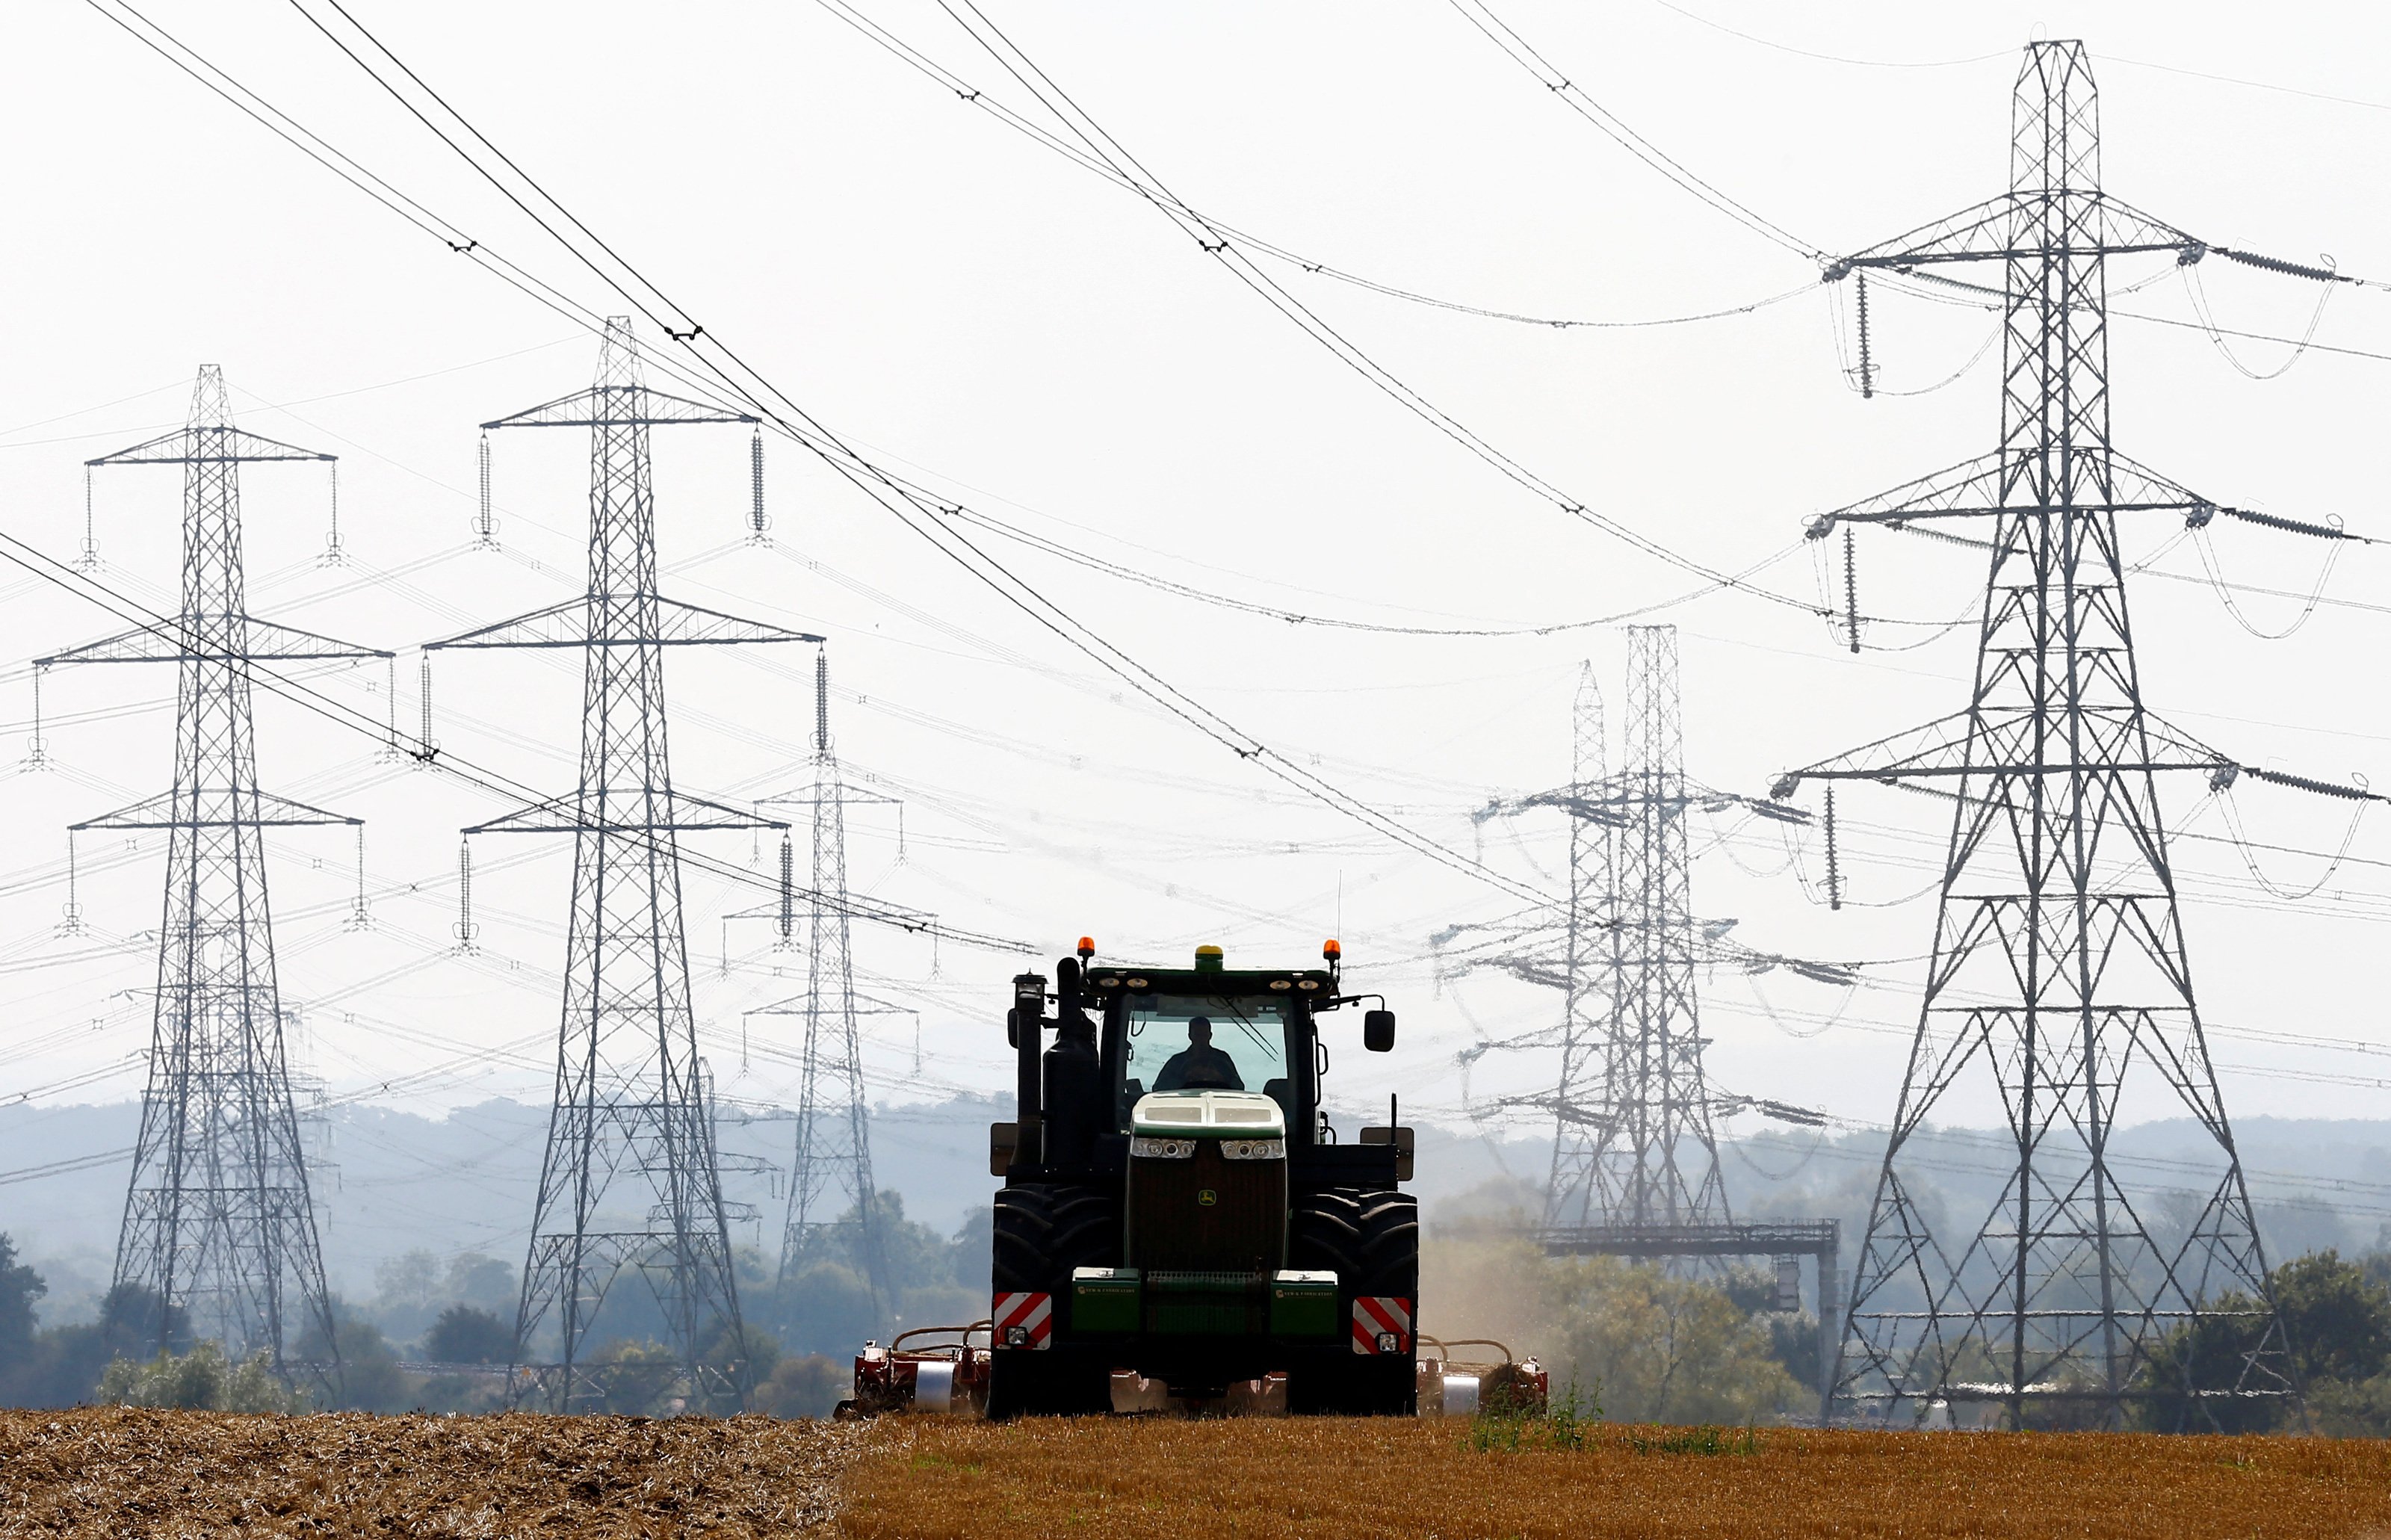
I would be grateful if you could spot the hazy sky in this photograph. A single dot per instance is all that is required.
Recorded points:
(987, 315)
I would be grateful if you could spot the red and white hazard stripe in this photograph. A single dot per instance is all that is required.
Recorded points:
(1382, 1323)
(1024, 1320)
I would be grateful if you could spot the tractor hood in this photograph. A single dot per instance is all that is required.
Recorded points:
(1208, 1115)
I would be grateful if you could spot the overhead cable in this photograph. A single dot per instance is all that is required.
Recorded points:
(749, 386)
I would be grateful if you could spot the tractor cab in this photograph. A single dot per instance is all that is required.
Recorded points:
(1128, 1037)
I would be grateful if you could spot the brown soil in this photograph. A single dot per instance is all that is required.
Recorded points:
(136, 1474)
(927, 1476)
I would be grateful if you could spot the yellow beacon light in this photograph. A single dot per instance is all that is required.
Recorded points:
(1208, 959)
(1331, 951)
(1087, 948)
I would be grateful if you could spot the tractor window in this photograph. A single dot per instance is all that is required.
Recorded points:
(1197, 1042)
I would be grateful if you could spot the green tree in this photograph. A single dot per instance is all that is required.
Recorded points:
(640, 1379)
(368, 1377)
(2340, 1321)
(810, 1385)
(20, 1287)
(408, 1281)
(1652, 1348)
(463, 1335)
(484, 1282)
(2339, 1324)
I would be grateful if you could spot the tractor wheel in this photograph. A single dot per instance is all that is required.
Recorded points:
(1369, 1237)
(1041, 1233)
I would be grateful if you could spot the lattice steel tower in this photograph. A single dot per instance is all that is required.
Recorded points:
(2058, 997)
(834, 1148)
(218, 1224)
(631, 1093)
(1589, 965)
(1655, 1158)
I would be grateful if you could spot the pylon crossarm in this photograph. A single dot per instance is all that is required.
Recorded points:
(797, 1004)
(1989, 231)
(571, 624)
(570, 815)
(177, 810)
(1932, 743)
(1974, 489)
(604, 407)
(170, 643)
(208, 446)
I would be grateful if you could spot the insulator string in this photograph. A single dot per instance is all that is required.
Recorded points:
(484, 529)
(821, 703)
(428, 747)
(389, 684)
(466, 930)
(333, 556)
(1868, 366)
(788, 867)
(37, 747)
(1834, 867)
(1851, 589)
(72, 924)
(360, 918)
(89, 560)
(757, 522)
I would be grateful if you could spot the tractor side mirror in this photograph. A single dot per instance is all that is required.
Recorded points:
(1378, 1031)
(1013, 1028)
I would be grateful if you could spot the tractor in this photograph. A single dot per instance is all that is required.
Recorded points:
(1181, 1227)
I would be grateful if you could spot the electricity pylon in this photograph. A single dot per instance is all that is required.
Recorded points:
(834, 1148)
(631, 1093)
(219, 1227)
(1633, 1142)
(1656, 1160)
(2058, 997)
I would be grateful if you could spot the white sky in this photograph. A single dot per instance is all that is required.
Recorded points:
(981, 313)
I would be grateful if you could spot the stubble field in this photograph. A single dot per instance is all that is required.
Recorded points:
(121, 1472)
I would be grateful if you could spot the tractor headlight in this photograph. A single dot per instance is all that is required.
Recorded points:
(1144, 1147)
(1253, 1150)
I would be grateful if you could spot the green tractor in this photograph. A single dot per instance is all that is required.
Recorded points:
(1180, 1226)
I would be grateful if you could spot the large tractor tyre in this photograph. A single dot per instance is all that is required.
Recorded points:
(1041, 1233)
(1369, 1237)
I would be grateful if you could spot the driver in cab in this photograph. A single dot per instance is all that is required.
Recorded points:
(1199, 1066)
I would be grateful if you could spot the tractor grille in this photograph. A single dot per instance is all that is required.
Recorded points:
(1241, 1229)
(1207, 1304)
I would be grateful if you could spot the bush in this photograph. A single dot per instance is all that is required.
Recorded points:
(198, 1380)
(463, 1335)
(367, 1376)
(810, 1386)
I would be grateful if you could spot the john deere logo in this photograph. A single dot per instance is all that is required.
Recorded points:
(1206, 1197)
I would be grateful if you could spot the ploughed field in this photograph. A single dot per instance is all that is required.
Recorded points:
(133, 1474)
(123, 1472)
(1314, 1478)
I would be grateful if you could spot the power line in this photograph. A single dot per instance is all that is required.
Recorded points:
(1215, 241)
(972, 96)
(750, 387)
(1549, 75)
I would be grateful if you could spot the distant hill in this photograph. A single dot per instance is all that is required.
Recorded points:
(389, 1181)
